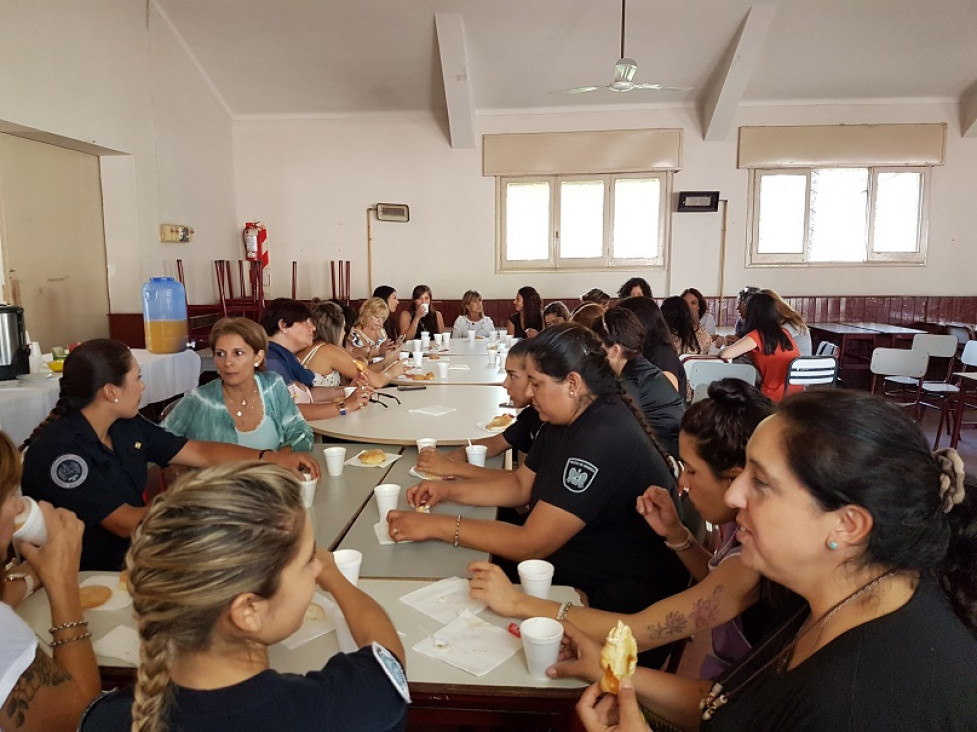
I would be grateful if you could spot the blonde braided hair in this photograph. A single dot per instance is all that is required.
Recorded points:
(216, 534)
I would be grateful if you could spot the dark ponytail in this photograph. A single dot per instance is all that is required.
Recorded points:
(87, 369)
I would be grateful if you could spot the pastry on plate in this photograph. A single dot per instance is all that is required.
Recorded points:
(372, 457)
(500, 422)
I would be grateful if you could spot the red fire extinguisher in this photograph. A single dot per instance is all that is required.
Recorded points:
(255, 235)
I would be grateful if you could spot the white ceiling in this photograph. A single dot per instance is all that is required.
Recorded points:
(295, 57)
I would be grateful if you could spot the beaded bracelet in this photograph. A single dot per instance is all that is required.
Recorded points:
(684, 545)
(66, 626)
(564, 609)
(457, 529)
(83, 636)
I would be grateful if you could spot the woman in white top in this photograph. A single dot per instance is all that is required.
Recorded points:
(38, 692)
(473, 318)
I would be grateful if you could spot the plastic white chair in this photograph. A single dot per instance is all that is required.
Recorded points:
(903, 362)
(702, 372)
(827, 348)
(949, 407)
(808, 371)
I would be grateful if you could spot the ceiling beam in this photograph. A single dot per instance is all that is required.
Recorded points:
(456, 74)
(968, 112)
(723, 98)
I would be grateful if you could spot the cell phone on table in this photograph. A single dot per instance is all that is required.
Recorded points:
(410, 387)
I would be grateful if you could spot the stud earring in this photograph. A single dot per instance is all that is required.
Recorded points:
(832, 545)
(116, 400)
(257, 364)
(572, 393)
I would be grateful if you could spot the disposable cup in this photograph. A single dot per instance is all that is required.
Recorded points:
(438, 339)
(425, 339)
(403, 355)
(308, 490)
(335, 460)
(508, 339)
(536, 576)
(442, 367)
(348, 562)
(476, 455)
(541, 641)
(415, 345)
(446, 339)
(29, 524)
(387, 494)
(494, 335)
(471, 336)
(418, 358)
(423, 442)
(424, 308)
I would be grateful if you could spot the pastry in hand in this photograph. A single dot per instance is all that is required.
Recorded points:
(618, 657)
(500, 422)
(372, 457)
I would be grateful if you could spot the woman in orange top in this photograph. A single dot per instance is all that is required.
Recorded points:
(770, 346)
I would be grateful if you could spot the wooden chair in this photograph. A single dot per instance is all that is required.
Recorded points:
(246, 305)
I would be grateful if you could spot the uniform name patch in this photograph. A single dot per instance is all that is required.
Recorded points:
(69, 471)
(392, 668)
(578, 475)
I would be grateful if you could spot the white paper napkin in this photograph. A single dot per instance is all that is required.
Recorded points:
(444, 600)
(381, 529)
(434, 410)
(471, 644)
(355, 460)
(122, 643)
(314, 628)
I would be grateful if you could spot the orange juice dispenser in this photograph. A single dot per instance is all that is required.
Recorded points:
(164, 311)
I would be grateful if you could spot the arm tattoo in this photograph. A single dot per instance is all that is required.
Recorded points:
(43, 672)
(703, 615)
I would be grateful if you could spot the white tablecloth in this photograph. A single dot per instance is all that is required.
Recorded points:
(24, 406)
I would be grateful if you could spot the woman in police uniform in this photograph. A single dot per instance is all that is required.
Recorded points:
(91, 453)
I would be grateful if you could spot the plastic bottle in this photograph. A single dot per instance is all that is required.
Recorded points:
(164, 311)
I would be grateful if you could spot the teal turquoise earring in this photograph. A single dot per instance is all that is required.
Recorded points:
(832, 545)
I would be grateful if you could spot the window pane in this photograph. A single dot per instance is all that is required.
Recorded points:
(636, 211)
(581, 219)
(782, 203)
(527, 221)
(839, 225)
(897, 203)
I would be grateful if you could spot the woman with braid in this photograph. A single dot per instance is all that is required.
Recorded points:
(225, 565)
(582, 477)
(91, 454)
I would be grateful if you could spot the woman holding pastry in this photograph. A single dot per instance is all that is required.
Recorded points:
(41, 692)
(842, 502)
(224, 566)
(582, 477)
(247, 405)
(91, 453)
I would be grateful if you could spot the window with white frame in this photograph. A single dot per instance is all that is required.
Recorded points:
(583, 221)
(838, 215)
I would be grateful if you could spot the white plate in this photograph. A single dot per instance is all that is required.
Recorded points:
(120, 598)
(423, 476)
(355, 460)
(494, 430)
(38, 377)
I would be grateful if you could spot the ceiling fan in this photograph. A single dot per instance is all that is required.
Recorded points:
(624, 71)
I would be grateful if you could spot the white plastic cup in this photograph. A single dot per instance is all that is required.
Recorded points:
(335, 460)
(425, 339)
(308, 491)
(29, 524)
(508, 340)
(438, 339)
(403, 355)
(476, 455)
(423, 442)
(415, 345)
(494, 335)
(418, 358)
(536, 577)
(471, 336)
(387, 495)
(541, 642)
(424, 308)
(442, 367)
(348, 562)
(446, 340)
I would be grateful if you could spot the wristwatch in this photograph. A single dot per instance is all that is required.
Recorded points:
(28, 580)
(342, 409)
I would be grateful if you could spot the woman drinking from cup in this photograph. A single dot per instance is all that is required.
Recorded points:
(842, 502)
(224, 566)
(91, 453)
(473, 318)
(421, 317)
(581, 477)
(247, 405)
(39, 692)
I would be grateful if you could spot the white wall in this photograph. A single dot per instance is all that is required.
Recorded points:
(311, 181)
(110, 73)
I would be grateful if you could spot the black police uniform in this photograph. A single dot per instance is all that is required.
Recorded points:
(657, 399)
(365, 690)
(67, 465)
(522, 433)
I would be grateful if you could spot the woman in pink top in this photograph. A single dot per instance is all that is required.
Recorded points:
(770, 346)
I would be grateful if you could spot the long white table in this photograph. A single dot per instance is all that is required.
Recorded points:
(427, 559)
(24, 404)
(397, 425)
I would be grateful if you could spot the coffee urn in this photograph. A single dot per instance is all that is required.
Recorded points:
(14, 349)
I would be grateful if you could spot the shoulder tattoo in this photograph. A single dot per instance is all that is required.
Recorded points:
(44, 671)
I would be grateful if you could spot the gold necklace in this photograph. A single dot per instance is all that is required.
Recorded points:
(239, 411)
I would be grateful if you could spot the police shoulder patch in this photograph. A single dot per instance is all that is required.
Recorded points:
(69, 471)
(392, 668)
(578, 475)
